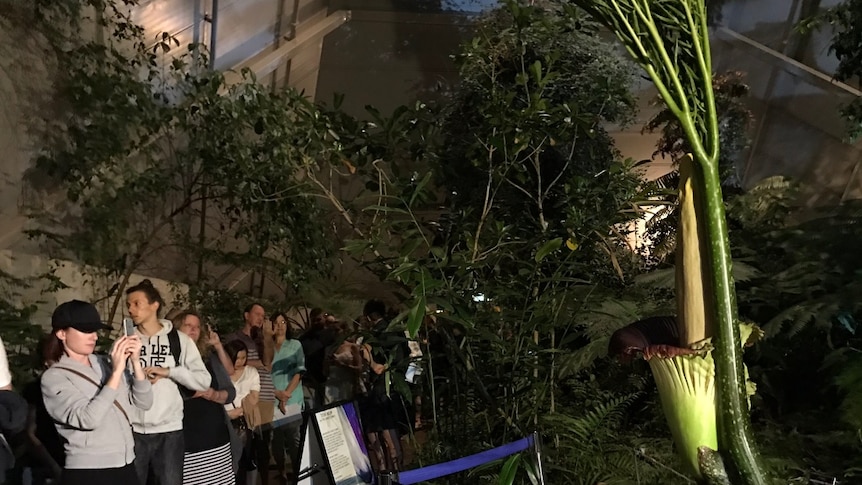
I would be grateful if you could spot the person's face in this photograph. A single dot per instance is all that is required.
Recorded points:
(191, 326)
(279, 326)
(140, 309)
(76, 342)
(255, 317)
(241, 358)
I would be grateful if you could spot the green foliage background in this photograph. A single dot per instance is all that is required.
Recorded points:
(506, 207)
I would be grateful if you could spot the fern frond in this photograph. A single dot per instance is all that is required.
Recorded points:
(583, 358)
(798, 315)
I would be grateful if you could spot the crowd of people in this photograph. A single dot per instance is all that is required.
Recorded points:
(175, 403)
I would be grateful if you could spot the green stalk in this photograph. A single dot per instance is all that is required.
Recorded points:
(735, 439)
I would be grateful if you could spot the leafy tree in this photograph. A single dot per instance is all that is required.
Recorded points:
(506, 210)
(20, 335)
(844, 20)
(150, 144)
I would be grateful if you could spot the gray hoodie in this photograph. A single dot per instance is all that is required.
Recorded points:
(96, 432)
(166, 413)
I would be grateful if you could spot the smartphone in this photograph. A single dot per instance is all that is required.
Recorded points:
(128, 326)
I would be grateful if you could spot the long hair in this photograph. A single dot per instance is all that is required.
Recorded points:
(288, 334)
(203, 343)
(233, 348)
(52, 349)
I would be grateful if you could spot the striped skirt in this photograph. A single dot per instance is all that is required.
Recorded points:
(209, 467)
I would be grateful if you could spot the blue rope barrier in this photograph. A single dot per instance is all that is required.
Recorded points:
(442, 469)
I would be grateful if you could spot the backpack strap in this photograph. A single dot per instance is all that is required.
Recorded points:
(93, 382)
(174, 341)
(176, 351)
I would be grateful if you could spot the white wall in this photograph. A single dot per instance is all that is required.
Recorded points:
(82, 283)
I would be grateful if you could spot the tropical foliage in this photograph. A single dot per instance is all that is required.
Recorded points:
(168, 167)
(501, 217)
(844, 20)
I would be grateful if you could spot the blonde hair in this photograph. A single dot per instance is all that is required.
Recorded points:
(202, 344)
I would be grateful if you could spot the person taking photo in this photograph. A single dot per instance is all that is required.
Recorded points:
(90, 397)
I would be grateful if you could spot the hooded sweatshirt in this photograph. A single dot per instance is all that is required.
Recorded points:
(95, 431)
(166, 413)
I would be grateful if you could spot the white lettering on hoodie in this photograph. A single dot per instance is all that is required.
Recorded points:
(166, 413)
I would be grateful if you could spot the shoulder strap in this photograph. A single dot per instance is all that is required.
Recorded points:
(174, 341)
(93, 382)
(176, 351)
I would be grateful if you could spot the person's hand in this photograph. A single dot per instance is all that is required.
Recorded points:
(119, 354)
(282, 406)
(214, 338)
(234, 413)
(135, 346)
(210, 394)
(156, 373)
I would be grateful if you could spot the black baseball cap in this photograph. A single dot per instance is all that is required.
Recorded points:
(77, 314)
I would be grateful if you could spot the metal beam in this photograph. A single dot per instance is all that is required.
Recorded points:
(790, 61)
(266, 63)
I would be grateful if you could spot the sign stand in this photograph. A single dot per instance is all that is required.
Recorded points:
(333, 451)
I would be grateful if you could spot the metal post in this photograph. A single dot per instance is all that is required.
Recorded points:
(537, 449)
(213, 34)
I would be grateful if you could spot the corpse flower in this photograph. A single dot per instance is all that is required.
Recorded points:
(679, 349)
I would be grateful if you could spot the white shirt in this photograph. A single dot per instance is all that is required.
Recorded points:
(5, 375)
(248, 381)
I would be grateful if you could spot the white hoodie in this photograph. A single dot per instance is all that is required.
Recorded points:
(166, 413)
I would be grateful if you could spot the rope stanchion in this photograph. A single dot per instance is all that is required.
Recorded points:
(432, 472)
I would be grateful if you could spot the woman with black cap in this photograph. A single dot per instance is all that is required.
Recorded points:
(90, 397)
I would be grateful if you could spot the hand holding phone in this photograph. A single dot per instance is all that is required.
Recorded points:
(128, 327)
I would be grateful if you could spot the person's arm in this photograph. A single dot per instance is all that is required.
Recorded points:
(223, 390)
(141, 390)
(268, 347)
(298, 358)
(356, 355)
(67, 405)
(223, 358)
(191, 371)
(253, 398)
(216, 344)
(375, 367)
(254, 394)
(294, 383)
(5, 374)
(296, 363)
(37, 448)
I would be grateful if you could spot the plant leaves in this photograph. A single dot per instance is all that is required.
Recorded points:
(548, 248)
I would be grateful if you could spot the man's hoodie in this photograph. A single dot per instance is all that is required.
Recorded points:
(166, 414)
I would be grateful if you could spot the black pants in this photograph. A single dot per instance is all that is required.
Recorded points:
(260, 445)
(160, 454)
(91, 476)
(285, 444)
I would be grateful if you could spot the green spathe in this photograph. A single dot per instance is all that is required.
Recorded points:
(686, 386)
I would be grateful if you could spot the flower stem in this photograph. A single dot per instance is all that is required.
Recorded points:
(735, 439)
